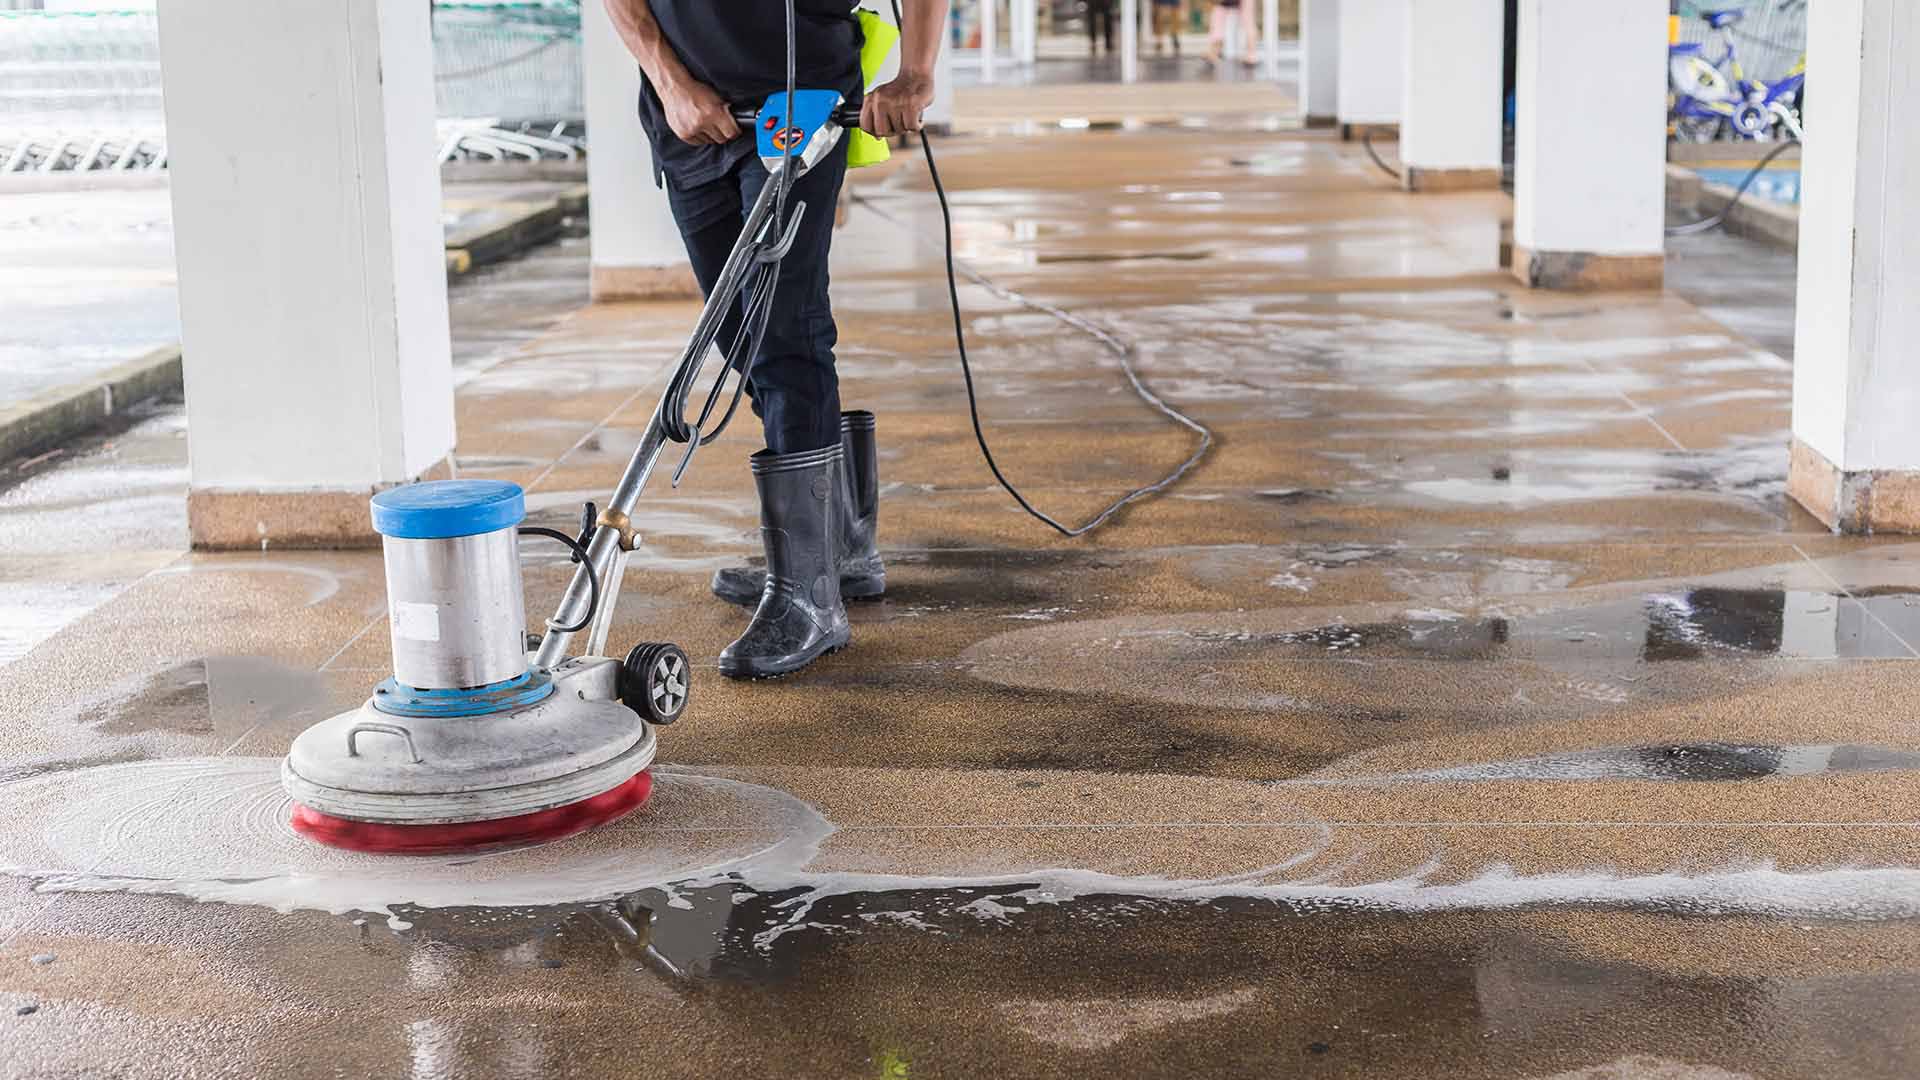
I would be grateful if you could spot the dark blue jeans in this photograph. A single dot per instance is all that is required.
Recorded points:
(791, 379)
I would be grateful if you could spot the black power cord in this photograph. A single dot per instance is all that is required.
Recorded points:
(756, 304)
(1125, 351)
(579, 550)
(1366, 140)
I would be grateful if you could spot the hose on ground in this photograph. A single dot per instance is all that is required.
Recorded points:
(1366, 140)
(1705, 224)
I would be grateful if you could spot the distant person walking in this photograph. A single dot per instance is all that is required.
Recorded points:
(1099, 26)
(1225, 14)
(1166, 24)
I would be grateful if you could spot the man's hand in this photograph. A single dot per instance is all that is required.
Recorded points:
(697, 114)
(694, 111)
(895, 108)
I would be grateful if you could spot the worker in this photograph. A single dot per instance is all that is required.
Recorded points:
(697, 58)
(1221, 27)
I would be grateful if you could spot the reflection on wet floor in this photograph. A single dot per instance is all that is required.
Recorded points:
(1685, 762)
(214, 693)
(1227, 986)
(1122, 256)
(1692, 625)
(732, 931)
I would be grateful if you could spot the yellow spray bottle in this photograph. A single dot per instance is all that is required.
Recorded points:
(881, 36)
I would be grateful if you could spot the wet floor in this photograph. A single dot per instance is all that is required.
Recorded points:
(1479, 706)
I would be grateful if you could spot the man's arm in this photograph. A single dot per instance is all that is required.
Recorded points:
(694, 111)
(896, 107)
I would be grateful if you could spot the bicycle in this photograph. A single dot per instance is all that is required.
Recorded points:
(1707, 97)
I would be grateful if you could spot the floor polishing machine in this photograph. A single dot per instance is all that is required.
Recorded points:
(477, 740)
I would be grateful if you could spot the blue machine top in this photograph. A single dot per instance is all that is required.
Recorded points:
(776, 135)
(440, 509)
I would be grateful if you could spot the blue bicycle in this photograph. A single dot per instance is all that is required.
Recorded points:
(1709, 97)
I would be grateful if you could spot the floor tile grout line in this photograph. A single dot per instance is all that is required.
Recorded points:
(1848, 593)
(590, 433)
(351, 642)
(1639, 410)
(243, 738)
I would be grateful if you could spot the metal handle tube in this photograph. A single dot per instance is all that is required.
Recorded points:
(601, 551)
(605, 545)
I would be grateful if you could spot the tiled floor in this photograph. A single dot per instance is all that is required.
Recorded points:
(1479, 707)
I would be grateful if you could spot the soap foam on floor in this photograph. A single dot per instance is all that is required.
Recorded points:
(217, 829)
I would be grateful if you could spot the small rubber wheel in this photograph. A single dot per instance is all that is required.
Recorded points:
(654, 682)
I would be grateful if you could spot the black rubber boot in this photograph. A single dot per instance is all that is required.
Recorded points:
(800, 617)
(862, 575)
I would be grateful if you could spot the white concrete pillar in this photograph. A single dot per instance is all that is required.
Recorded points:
(311, 264)
(1856, 346)
(1129, 41)
(1270, 37)
(1026, 28)
(637, 253)
(989, 38)
(1450, 112)
(1589, 207)
(940, 112)
(1319, 62)
(1372, 69)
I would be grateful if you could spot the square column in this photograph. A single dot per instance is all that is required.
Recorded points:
(1372, 66)
(1026, 30)
(1319, 63)
(1450, 116)
(312, 269)
(1590, 145)
(1856, 365)
(939, 116)
(637, 253)
(1270, 38)
(989, 38)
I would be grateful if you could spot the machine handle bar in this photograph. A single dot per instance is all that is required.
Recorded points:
(847, 116)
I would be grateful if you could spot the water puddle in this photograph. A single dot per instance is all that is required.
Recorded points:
(1044, 258)
(217, 693)
(31, 612)
(1294, 495)
(1696, 762)
(737, 929)
(1040, 584)
(1691, 625)
(1748, 469)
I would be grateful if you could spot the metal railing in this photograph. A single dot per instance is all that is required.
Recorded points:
(518, 60)
(80, 92)
(1770, 37)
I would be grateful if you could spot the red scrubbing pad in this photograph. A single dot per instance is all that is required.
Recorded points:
(535, 828)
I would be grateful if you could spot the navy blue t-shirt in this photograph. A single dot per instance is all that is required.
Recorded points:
(739, 47)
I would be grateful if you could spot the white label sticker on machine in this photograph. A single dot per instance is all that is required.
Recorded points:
(416, 621)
